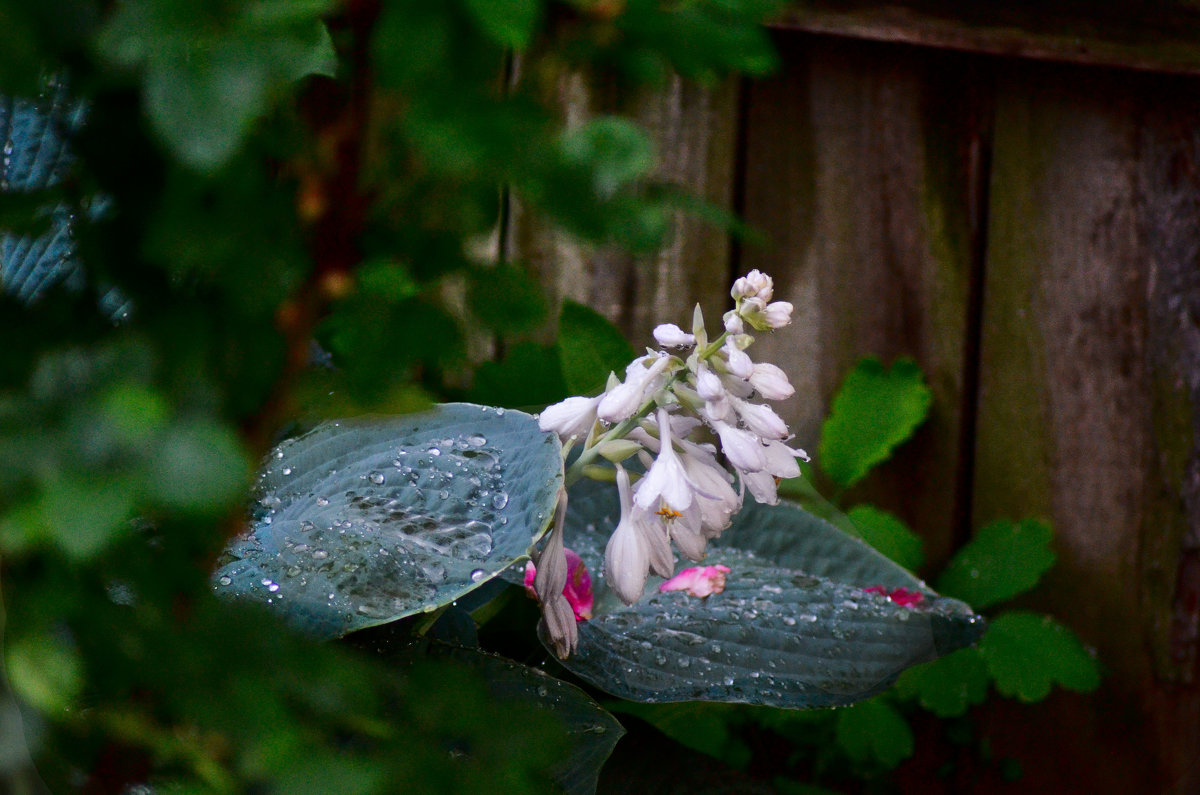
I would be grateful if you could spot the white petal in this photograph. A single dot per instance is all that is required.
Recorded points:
(761, 419)
(733, 322)
(743, 448)
(708, 385)
(739, 363)
(667, 480)
(626, 558)
(778, 314)
(623, 400)
(671, 336)
(781, 460)
(762, 485)
(771, 382)
(572, 417)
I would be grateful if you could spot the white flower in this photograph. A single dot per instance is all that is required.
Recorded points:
(778, 314)
(667, 481)
(636, 546)
(623, 400)
(771, 382)
(708, 385)
(733, 322)
(780, 463)
(743, 449)
(760, 419)
(739, 363)
(716, 499)
(572, 417)
(754, 284)
(671, 336)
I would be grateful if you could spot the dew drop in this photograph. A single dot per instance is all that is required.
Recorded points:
(322, 501)
(287, 470)
(478, 575)
(225, 581)
(499, 500)
(791, 622)
(477, 441)
(376, 478)
(434, 451)
(319, 554)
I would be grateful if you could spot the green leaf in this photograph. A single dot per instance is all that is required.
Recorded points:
(1026, 653)
(200, 468)
(875, 410)
(1003, 560)
(368, 520)
(591, 732)
(589, 348)
(506, 298)
(45, 671)
(510, 23)
(528, 376)
(794, 626)
(949, 686)
(874, 731)
(616, 152)
(889, 535)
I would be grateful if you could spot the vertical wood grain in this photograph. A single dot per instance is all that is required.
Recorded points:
(694, 129)
(859, 168)
(1084, 413)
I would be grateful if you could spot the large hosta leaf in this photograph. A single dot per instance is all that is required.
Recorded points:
(794, 626)
(365, 521)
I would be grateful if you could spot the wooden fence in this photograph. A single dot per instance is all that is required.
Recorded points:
(1029, 230)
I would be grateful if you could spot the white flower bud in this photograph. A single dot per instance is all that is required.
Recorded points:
(771, 382)
(739, 363)
(572, 417)
(671, 336)
(754, 284)
(733, 322)
(777, 314)
(761, 419)
(708, 385)
(743, 449)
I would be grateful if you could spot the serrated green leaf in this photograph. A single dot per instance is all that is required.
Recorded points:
(1026, 653)
(589, 348)
(506, 298)
(874, 731)
(889, 535)
(875, 410)
(794, 626)
(510, 23)
(949, 686)
(365, 521)
(1003, 560)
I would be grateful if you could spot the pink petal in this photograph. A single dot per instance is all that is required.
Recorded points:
(698, 581)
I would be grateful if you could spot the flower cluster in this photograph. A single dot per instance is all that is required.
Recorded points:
(662, 414)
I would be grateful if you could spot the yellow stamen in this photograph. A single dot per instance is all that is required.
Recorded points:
(667, 513)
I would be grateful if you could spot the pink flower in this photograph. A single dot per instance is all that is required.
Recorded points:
(578, 589)
(698, 581)
(901, 596)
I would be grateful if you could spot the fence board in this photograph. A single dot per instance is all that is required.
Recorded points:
(695, 130)
(1071, 424)
(859, 166)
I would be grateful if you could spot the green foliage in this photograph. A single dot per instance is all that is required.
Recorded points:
(875, 410)
(589, 348)
(889, 535)
(510, 23)
(1027, 653)
(708, 728)
(1003, 560)
(873, 732)
(949, 686)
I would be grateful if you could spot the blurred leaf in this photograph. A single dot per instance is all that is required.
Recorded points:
(1003, 560)
(949, 686)
(705, 727)
(793, 627)
(1026, 653)
(203, 87)
(875, 410)
(506, 298)
(616, 152)
(874, 731)
(529, 376)
(510, 22)
(45, 671)
(200, 467)
(889, 535)
(367, 521)
(589, 348)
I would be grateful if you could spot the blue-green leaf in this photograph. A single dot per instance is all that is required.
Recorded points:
(1026, 653)
(875, 410)
(365, 521)
(1003, 560)
(794, 626)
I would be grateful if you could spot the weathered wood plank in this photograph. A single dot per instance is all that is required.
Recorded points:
(694, 128)
(1160, 36)
(1085, 414)
(859, 167)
